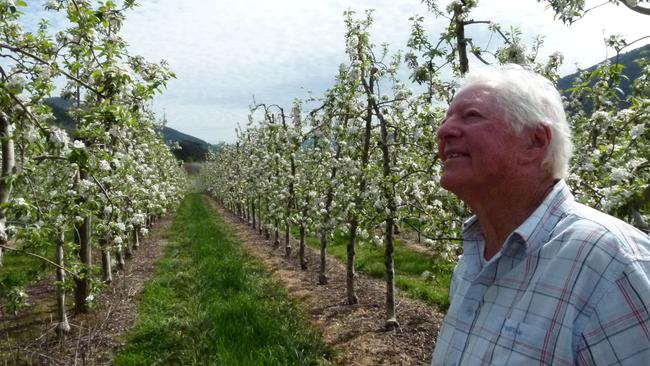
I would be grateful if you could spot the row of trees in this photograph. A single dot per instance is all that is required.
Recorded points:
(363, 163)
(100, 188)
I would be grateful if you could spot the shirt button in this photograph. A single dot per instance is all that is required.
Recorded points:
(469, 311)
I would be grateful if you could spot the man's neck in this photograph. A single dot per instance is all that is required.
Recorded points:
(504, 209)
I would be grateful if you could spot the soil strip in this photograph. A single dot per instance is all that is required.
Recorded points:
(356, 332)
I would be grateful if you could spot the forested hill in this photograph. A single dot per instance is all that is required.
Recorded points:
(630, 68)
(192, 148)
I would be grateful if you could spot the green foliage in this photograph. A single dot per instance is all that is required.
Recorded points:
(17, 271)
(112, 166)
(419, 275)
(211, 303)
(366, 157)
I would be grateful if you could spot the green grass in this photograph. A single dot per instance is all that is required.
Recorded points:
(211, 304)
(409, 266)
(19, 270)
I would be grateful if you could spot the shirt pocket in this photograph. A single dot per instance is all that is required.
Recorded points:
(519, 344)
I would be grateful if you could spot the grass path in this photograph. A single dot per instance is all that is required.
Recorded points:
(211, 304)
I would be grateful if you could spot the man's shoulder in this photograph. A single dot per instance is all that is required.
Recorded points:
(586, 224)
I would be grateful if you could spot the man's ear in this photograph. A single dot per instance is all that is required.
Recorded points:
(537, 141)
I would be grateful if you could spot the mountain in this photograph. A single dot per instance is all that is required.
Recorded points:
(192, 148)
(60, 109)
(630, 69)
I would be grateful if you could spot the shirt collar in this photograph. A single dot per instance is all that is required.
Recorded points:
(471, 229)
(535, 229)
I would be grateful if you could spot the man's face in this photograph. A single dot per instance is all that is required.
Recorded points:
(476, 145)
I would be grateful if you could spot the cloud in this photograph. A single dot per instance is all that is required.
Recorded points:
(224, 52)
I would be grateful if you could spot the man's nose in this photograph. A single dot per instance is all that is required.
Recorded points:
(448, 129)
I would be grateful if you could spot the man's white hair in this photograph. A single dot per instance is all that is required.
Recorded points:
(529, 99)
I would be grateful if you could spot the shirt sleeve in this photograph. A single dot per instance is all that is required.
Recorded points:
(618, 332)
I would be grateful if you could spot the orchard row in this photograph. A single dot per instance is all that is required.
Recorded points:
(363, 163)
(64, 195)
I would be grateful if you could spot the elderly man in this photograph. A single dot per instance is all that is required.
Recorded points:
(543, 280)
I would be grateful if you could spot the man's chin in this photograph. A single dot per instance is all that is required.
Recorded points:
(448, 182)
(453, 184)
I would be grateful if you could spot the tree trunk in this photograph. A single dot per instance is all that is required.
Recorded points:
(253, 214)
(461, 41)
(287, 240)
(388, 190)
(82, 282)
(352, 296)
(391, 317)
(63, 327)
(128, 248)
(119, 257)
(136, 237)
(322, 276)
(358, 198)
(267, 230)
(276, 236)
(107, 272)
(301, 253)
(8, 164)
(322, 273)
(259, 215)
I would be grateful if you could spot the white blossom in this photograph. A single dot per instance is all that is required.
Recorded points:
(637, 131)
(85, 185)
(3, 232)
(31, 135)
(588, 166)
(618, 174)
(104, 165)
(59, 137)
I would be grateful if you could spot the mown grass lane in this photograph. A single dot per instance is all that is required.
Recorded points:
(211, 303)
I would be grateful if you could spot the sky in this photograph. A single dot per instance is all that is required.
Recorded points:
(227, 54)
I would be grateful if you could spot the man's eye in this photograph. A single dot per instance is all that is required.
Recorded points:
(473, 113)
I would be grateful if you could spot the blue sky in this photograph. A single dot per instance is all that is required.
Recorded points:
(224, 52)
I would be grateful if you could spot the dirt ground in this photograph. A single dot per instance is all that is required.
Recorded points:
(355, 332)
(94, 337)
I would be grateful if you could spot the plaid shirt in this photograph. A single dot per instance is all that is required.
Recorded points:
(571, 285)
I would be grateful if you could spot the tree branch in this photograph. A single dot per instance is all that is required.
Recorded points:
(637, 8)
(39, 257)
(23, 52)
